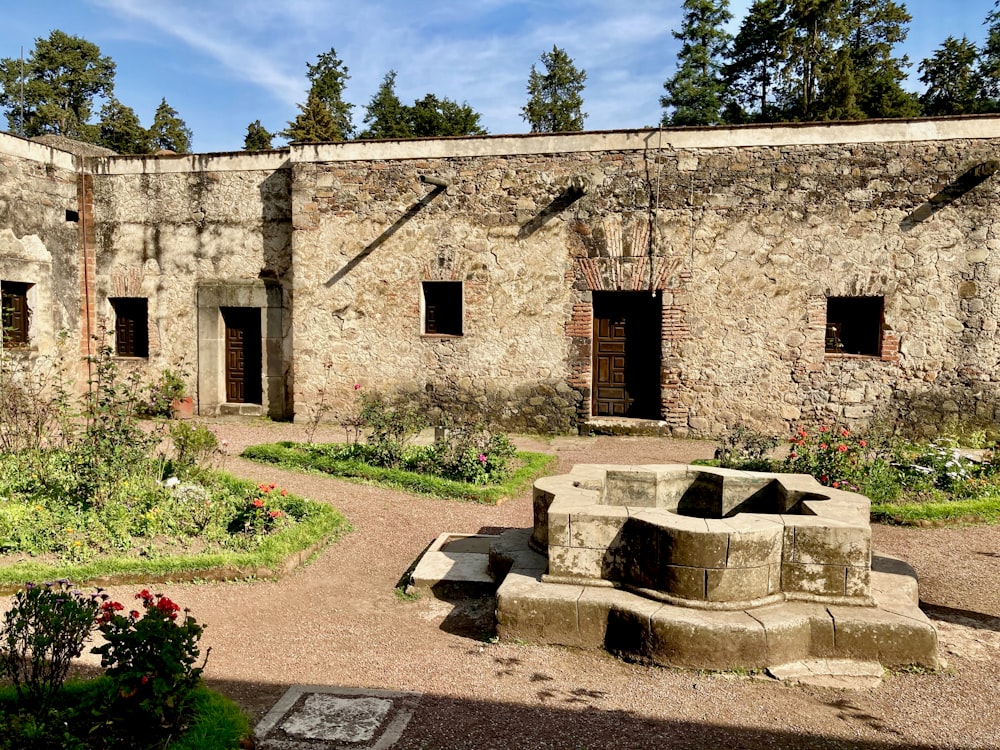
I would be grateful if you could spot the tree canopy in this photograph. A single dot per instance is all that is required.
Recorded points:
(121, 131)
(314, 123)
(62, 76)
(168, 131)
(432, 116)
(327, 78)
(694, 94)
(257, 138)
(555, 97)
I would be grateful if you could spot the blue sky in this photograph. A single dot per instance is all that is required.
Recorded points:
(225, 63)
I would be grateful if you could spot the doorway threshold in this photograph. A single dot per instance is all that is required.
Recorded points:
(241, 410)
(625, 426)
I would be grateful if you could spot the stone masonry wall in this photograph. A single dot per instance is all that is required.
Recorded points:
(38, 241)
(166, 226)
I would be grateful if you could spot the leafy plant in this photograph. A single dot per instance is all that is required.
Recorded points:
(43, 631)
(150, 658)
(473, 454)
(259, 515)
(390, 427)
(745, 449)
(194, 444)
(163, 391)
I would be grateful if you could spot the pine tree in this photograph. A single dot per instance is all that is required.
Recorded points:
(816, 31)
(989, 62)
(695, 92)
(876, 27)
(257, 138)
(120, 130)
(952, 79)
(328, 77)
(168, 131)
(555, 97)
(62, 76)
(432, 117)
(385, 114)
(755, 59)
(314, 123)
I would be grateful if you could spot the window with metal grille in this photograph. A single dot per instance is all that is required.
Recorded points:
(443, 308)
(854, 325)
(131, 327)
(16, 313)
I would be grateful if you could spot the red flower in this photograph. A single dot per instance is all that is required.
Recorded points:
(134, 614)
(845, 433)
(284, 492)
(793, 454)
(824, 478)
(145, 596)
(258, 503)
(862, 443)
(822, 446)
(836, 485)
(824, 429)
(357, 386)
(275, 514)
(842, 448)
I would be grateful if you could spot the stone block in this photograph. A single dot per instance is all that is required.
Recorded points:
(858, 581)
(601, 529)
(576, 561)
(630, 487)
(687, 583)
(755, 546)
(593, 609)
(737, 584)
(819, 580)
(627, 630)
(536, 612)
(690, 638)
(795, 631)
(832, 545)
(894, 639)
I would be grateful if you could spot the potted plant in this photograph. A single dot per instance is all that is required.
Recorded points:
(168, 397)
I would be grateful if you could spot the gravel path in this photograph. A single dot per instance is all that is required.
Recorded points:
(338, 622)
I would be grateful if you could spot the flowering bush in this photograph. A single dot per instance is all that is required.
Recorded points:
(149, 656)
(831, 455)
(259, 514)
(469, 454)
(43, 631)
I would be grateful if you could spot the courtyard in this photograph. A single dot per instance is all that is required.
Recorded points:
(338, 623)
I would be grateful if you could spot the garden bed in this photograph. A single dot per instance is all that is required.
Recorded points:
(347, 461)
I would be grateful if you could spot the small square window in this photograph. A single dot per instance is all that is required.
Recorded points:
(16, 313)
(72, 215)
(131, 326)
(854, 325)
(442, 308)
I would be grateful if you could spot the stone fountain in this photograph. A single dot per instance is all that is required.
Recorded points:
(698, 567)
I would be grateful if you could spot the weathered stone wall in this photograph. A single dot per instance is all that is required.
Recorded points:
(167, 225)
(38, 240)
(367, 234)
(742, 234)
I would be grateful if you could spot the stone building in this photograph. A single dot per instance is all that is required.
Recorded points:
(688, 279)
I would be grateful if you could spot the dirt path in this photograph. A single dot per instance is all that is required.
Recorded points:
(338, 622)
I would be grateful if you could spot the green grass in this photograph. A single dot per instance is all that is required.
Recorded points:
(305, 457)
(216, 722)
(948, 512)
(321, 525)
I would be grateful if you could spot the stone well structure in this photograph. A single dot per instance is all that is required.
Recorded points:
(700, 567)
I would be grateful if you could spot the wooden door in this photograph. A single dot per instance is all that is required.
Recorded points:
(243, 360)
(626, 374)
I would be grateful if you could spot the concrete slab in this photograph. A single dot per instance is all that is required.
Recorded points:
(455, 564)
(837, 673)
(327, 718)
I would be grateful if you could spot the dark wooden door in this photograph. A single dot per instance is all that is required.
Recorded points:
(626, 380)
(243, 360)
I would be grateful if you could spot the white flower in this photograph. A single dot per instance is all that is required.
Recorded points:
(172, 482)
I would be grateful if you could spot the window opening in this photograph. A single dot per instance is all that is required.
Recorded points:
(854, 325)
(131, 326)
(443, 308)
(72, 215)
(16, 313)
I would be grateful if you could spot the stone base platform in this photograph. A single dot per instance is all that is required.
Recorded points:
(894, 632)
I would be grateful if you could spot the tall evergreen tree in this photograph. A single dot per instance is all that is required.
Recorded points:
(755, 60)
(257, 138)
(989, 62)
(385, 114)
(875, 28)
(62, 76)
(555, 97)
(816, 31)
(120, 130)
(328, 77)
(694, 95)
(952, 79)
(313, 124)
(168, 131)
